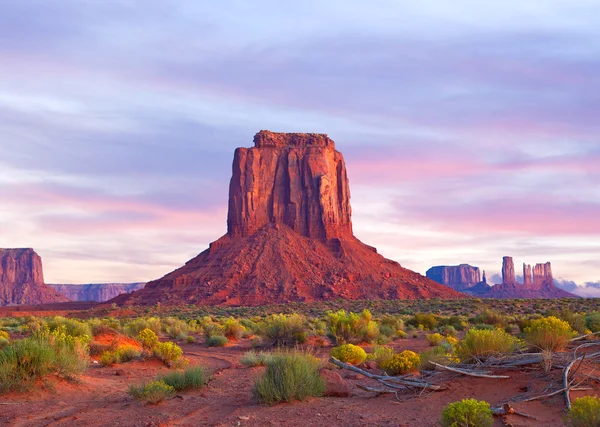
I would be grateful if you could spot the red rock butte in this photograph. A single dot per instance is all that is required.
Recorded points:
(289, 237)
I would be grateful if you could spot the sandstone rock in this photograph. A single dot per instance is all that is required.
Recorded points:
(542, 273)
(22, 279)
(96, 292)
(289, 237)
(335, 386)
(458, 277)
(527, 275)
(508, 270)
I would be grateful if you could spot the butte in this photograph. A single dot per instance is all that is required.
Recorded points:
(289, 237)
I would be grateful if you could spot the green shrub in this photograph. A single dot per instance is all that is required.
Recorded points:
(434, 339)
(401, 363)
(148, 338)
(284, 330)
(189, 379)
(585, 412)
(401, 334)
(288, 377)
(592, 321)
(483, 343)
(168, 352)
(175, 328)
(217, 341)
(252, 358)
(134, 327)
(3, 343)
(233, 329)
(549, 333)
(349, 353)
(425, 320)
(575, 320)
(71, 327)
(380, 354)
(152, 392)
(351, 327)
(211, 328)
(190, 339)
(467, 413)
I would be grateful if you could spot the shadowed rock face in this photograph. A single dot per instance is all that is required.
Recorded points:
(22, 279)
(289, 237)
(458, 277)
(96, 292)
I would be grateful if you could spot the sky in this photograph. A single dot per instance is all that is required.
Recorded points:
(470, 131)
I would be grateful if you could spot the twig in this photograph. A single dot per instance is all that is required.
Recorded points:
(468, 373)
(566, 381)
(506, 409)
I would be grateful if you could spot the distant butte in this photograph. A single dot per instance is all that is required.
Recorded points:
(289, 237)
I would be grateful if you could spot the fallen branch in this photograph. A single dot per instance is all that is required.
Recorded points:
(375, 390)
(468, 373)
(385, 380)
(506, 409)
(584, 336)
(566, 380)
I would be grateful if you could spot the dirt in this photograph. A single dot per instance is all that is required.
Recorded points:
(100, 398)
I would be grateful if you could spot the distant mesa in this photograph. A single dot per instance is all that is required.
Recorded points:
(537, 282)
(458, 277)
(22, 279)
(289, 237)
(98, 292)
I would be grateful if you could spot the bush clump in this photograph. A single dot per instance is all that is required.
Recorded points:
(281, 330)
(217, 341)
(289, 376)
(585, 412)
(349, 353)
(549, 333)
(380, 354)
(252, 358)
(168, 352)
(434, 339)
(233, 329)
(401, 363)
(352, 327)
(467, 413)
(190, 379)
(148, 338)
(483, 343)
(152, 392)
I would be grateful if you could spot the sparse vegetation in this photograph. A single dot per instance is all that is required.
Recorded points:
(401, 363)
(289, 376)
(217, 341)
(168, 352)
(284, 330)
(352, 327)
(467, 413)
(152, 392)
(349, 353)
(189, 379)
(585, 412)
(482, 343)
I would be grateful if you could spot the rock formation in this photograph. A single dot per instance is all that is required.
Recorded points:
(542, 273)
(96, 292)
(508, 270)
(289, 237)
(22, 279)
(527, 275)
(459, 277)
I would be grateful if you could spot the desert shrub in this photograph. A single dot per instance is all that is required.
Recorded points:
(592, 321)
(122, 354)
(71, 327)
(434, 339)
(352, 327)
(288, 377)
(284, 329)
(401, 334)
(4, 335)
(152, 392)
(233, 329)
(482, 343)
(189, 379)
(190, 339)
(425, 320)
(393, 322)
(134, 327)
(549, 333)
(401, 363)
(490, 317)
(148, 338)
(70, 352)
(585, 412)
(217, 341)
(109, 358)
(175, 328)
(168, 352)
(467, 413)
(252, 358)
(387, 331)
(250, 326)
(380, 354)
(447, 330)
(3, 343)
(349, 353)
(575, 320)
(210, 328)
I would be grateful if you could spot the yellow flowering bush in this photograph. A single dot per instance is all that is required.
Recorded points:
(401, 363)
(349, 353)
(549, 333)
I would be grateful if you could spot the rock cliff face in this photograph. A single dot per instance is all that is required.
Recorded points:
(289, 237)
(527, 275)
(508, 270)
(542, 273)
(298, 180)
(22, 279)
(459, 277)
(96, 292)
